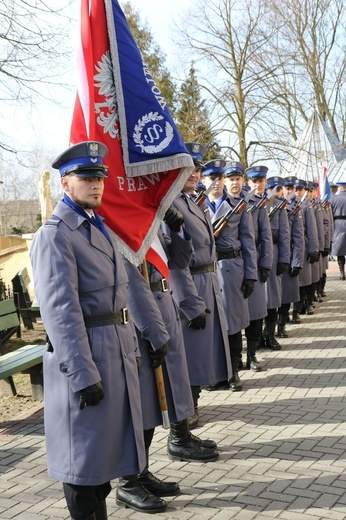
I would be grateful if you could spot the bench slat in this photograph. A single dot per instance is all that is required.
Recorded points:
(9, 321)
(20, 359)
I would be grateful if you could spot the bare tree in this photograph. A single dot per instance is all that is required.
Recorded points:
(310, 47)
(33, 50)
(225, 36)
(267, 65)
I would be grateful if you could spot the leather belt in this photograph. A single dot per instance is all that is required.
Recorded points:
(209, 268)
(115, 318)
(230, 254)
(160, 285)
(340, 217)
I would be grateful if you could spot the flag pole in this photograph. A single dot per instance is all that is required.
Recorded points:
(160, 384)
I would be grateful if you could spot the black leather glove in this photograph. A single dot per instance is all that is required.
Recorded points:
(247, 288)
(264, 273)
(174, 219)
(326, 252)
(294, 271)
(91, 395)
(157, 356)
(200, 321)
(313, 257)
(139, 363)
(281, 268)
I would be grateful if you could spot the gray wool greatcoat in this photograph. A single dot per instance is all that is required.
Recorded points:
(281, 254)
(311, 242)
(207, 350)
(290, 284)
(157, 321)
(78, 273)
(239, 235)
(339, 214)
(321, 235)
(326, 217)
(263, 237)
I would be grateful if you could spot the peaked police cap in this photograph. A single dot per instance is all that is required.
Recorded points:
(256, 172)
(214, 168)
(234, 168)
(197, 151)
(83, 160)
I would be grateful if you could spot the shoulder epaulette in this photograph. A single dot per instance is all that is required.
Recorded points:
(52, 221)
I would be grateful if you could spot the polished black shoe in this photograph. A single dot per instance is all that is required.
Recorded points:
(205, 443)
(194, 420)
(182, 446)
(235, 384)
(133, 494)
(158, 487)
(221, 385)
(282, 332)
(272, 344)
(296, 318)
(253, 364)
(189, 451)
(309, 310)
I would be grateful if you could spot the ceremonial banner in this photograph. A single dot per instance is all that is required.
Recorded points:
(323, 184)
(119, 104)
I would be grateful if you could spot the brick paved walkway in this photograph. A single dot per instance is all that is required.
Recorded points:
(282, 440)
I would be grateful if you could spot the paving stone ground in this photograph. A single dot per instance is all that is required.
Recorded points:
(282, 440)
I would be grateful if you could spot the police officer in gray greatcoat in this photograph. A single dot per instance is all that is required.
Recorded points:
(93, 419)
(236, 254)
(311, 254)
(257, 301)
(196, 291)
(323, 239)
(290, 278)
(315, 266)
(181, 445)
(339, 236)
(281, 248)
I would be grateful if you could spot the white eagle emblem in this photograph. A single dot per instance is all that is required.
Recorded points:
(108, 111)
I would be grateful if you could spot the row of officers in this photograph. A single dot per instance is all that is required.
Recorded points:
(238, 258)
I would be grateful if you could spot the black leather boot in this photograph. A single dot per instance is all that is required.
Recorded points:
(205, 443)
(131, 493)
(271, 342)
(282, 327)
(263, 338)
(156, 486)
(342, 270)
(101, 511)
(194, 420)
(251, 360)
(296, 313)
(181, 446)
(91, 517)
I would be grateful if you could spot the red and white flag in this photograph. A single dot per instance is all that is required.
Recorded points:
(119, 104)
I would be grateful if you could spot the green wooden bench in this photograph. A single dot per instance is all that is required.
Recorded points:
(27, 360)
(22, 298)
(9, 322)
(9, 325)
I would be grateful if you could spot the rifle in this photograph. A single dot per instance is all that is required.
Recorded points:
(298, 206)
(204, 194)
(263, 201)
(280, 206)
(221, 224)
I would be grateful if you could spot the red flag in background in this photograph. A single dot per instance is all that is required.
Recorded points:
(323, 190)
(119, 104)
